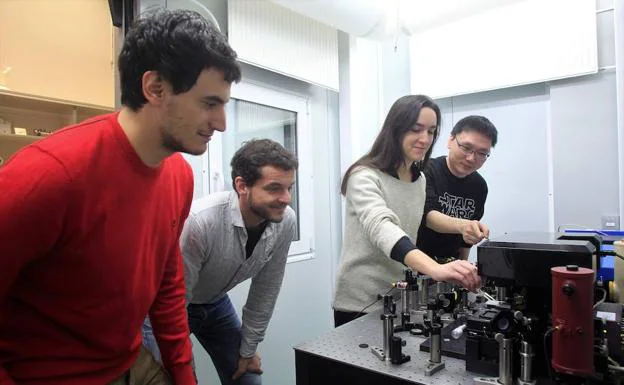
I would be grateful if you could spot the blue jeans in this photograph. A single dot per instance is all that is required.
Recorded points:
(218, 329)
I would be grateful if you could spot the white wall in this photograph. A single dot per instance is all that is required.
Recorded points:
(585, 150)
(618, 17)
(517, 172)
(395, 70)
(360, 96)
(570, 152)
(556, 160)
(373, 75)
(542, 174)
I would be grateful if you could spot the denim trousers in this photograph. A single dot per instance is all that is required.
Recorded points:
(218, 329)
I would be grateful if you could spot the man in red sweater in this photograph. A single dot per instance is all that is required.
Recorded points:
(90, 218)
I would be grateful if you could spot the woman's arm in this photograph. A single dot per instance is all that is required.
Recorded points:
(460, 272)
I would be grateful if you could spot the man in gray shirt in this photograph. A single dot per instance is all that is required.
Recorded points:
(232, 236)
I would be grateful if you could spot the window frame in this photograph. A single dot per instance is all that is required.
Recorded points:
(214, 168)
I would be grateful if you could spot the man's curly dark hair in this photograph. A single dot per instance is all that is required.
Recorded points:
(257, 153)
(179, 45)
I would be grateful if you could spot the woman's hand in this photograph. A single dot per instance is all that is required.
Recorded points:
(459, 272)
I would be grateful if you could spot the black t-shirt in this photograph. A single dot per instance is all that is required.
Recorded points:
(253, 236)
(455, 197)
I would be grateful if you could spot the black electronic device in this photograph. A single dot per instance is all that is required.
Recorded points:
(517, 267)
(525, 259)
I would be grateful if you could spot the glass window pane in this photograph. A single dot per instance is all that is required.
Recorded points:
(247, 120)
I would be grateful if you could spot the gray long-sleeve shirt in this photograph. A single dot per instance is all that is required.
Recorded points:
(213, 245)
(380, 209)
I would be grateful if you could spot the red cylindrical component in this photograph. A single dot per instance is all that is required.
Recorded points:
(572, 315)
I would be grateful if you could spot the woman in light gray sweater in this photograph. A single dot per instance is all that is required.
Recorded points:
(385, 198)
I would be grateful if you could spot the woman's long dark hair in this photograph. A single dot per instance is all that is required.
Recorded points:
(387, 151)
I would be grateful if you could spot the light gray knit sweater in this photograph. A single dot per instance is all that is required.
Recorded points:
(380, 209)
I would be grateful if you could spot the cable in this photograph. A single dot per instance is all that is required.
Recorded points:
(374, 302)
(546, 355)
(604, 297)
(614, 362)
(617, 255)
(615, 366)
(486, 295)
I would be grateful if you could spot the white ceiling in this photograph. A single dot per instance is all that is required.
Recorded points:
(379, 19)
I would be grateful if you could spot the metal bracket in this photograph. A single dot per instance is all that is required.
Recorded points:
(378, 352)
(486, 381)
(433, 367)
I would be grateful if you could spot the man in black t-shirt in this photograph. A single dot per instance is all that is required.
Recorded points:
(455, 188)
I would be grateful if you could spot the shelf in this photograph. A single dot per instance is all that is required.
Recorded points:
(10, 144)
(41, 113)
(17, 100)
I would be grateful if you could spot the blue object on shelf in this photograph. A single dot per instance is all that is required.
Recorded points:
(607, 263)
(607, 268)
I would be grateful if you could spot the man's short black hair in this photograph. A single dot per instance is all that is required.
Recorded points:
(179, 45)
(477, 123)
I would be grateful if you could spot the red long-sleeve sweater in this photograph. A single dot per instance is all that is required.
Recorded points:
(88, 246)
